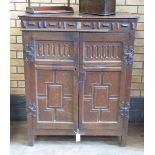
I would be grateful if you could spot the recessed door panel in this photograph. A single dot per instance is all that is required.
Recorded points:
(56, 99)
(100, 100)
(100, 50)
(55, 48)
(101, 80)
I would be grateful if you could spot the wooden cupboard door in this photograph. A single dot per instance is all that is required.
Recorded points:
(100, 100)
(102, 80)
(56, 99)
(52, 60)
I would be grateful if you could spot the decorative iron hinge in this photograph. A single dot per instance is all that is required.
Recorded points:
(29, 51)
(31, 109)
(128, 55)
(124, 109)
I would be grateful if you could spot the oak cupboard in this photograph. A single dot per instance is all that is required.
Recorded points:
(78, 74)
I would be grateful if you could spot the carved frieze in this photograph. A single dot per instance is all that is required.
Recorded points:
(104, 26)
(98, 51)
(54, 50)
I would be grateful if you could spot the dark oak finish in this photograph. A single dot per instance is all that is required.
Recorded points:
(78, 74)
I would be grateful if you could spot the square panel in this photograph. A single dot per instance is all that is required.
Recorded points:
(54, 96)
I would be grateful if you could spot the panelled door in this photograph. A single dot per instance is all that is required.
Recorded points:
(101, 81)
(55, 80)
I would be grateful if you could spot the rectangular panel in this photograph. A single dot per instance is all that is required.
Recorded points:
(102, 50)
(56, 99)
(55, 50)
(100, 96)
(100, 100)
(60, 48)
(54, 95)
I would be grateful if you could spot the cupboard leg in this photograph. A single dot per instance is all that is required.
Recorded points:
(119, 139)
(123, 140)
(31, 136)
(31, 139)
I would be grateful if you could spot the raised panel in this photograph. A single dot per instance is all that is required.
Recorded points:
(100, 99)
(67, 78)
(43, 77)
(88, 114)
(55, 99)
(44, 113)
(54, 96)
(65, 115)
(114, 79)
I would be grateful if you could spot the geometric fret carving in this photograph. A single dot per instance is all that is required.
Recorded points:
(101, 97)
(43, 24)
(95, 51)
(54, 96)
(109, 26)
(54, 50)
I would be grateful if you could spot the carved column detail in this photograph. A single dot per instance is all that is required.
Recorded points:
(31, 109)
(128, 55)
(124, 109)
(29, 51)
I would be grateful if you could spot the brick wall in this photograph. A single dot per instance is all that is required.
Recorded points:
(16, 53)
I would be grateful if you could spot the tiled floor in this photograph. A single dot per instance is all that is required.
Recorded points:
(68, 146)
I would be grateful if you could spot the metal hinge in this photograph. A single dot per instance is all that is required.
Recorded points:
(124, 109)
(128, 55)
(29, 51)
(31, 109)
